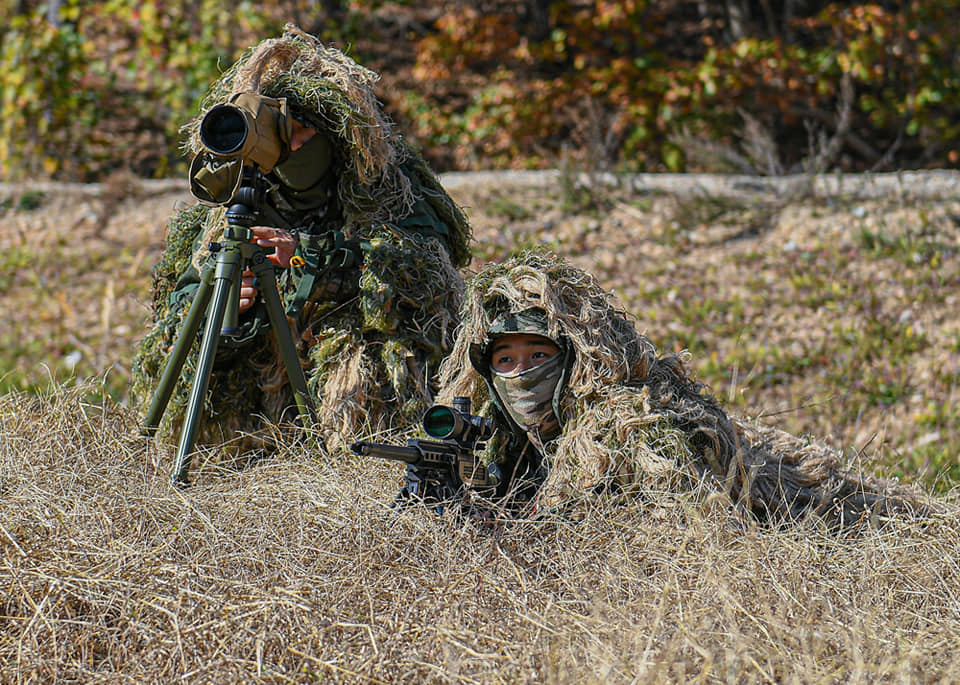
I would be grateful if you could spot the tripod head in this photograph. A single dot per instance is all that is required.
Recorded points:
(236, 247)
(244, 209)
(245, 205)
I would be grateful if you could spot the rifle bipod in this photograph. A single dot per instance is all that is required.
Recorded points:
(220, 279)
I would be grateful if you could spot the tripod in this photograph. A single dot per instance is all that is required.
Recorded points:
(220, 279)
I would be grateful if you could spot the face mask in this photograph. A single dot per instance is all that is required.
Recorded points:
(528, 397)
(306, 167)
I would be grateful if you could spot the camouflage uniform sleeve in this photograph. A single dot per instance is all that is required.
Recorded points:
(179, 298)
(152, 351)
(174, 272)
(519, 462)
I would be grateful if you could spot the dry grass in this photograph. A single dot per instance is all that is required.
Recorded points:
(830, 317)
(296, 570)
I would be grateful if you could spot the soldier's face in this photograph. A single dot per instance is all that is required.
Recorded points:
(518, 352)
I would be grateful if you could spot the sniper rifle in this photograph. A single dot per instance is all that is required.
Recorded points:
(452, 456)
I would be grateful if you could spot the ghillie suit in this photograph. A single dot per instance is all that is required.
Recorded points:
(625, 419)
(375, 302)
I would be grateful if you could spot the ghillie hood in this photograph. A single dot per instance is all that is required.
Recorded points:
(329, 91)
(605, 348)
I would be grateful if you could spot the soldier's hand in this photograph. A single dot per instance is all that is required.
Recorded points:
(283, 242)
(247, 292)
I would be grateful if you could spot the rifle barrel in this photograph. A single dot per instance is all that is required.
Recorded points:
(410, 455)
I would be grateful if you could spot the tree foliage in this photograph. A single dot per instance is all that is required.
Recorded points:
(758, 86)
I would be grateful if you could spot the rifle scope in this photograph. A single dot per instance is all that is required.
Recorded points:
(456, 423)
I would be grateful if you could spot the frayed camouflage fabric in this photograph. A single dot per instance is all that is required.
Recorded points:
(635, 421)
(378, 355)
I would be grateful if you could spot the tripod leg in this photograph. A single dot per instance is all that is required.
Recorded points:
(231, 315)
(171, 372)
(288, 350)
(228, 269)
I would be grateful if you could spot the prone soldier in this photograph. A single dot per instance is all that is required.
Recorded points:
(583, 406)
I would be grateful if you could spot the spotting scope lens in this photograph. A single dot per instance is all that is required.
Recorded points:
(223, 130)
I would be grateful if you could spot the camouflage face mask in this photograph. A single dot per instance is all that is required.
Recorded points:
(528, 397)
(306, 167)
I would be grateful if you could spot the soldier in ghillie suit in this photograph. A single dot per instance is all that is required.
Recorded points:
(584, 406)
(367, 243)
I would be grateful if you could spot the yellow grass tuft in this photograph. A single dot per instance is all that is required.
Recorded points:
(296, 569)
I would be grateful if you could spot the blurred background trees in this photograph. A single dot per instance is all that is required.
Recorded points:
(90, 87)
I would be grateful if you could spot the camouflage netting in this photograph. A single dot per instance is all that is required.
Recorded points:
(636, 421)
(391, 342)
(369, 359)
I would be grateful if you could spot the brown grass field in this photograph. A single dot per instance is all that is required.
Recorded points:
(831, 314)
